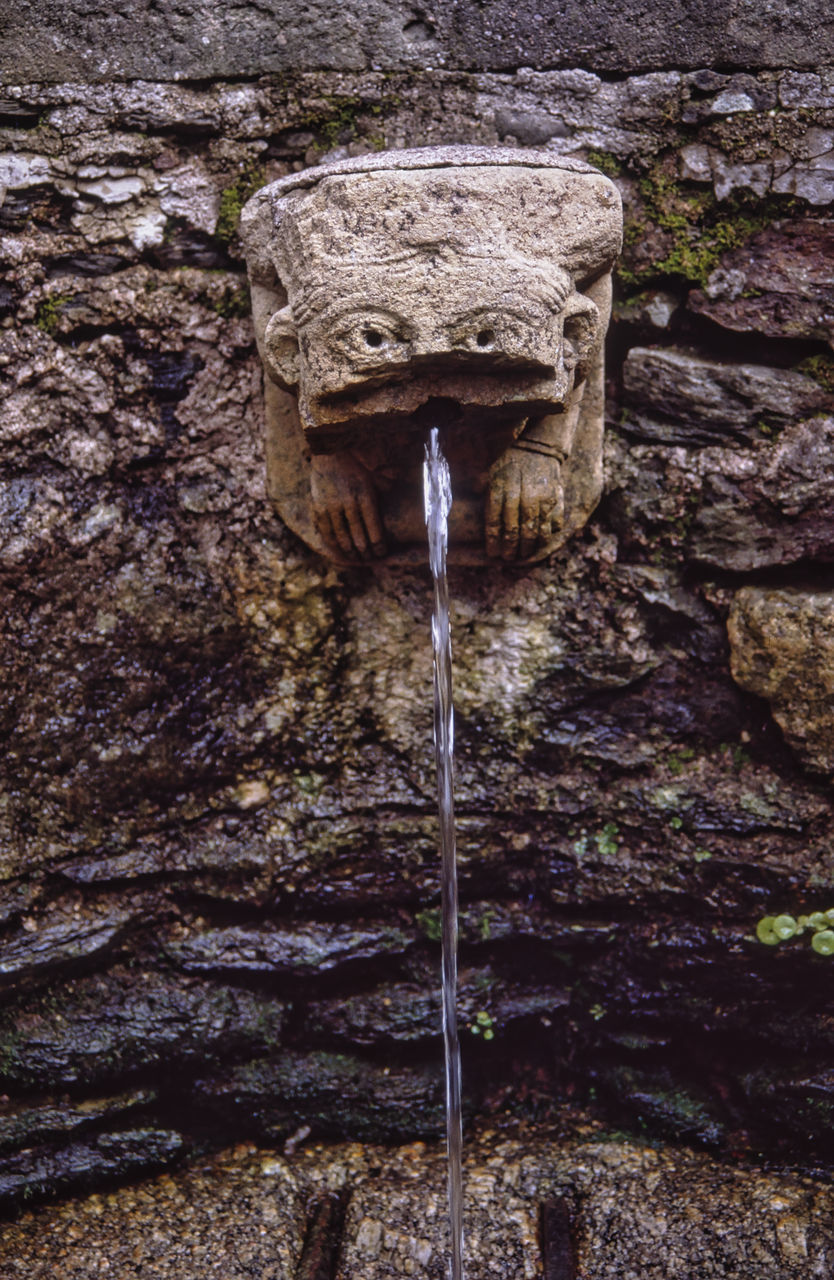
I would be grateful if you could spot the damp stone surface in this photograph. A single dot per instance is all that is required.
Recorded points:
(218, 856)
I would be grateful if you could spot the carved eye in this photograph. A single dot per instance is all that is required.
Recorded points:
(506, 331)
(480, 333)
(370, 337)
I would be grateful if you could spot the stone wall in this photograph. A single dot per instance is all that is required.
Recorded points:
(217, 833)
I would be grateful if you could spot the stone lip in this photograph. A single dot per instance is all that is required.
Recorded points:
(451, 157)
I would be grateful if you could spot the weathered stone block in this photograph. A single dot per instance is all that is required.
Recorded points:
(681, 398)
(195, 40)
(782, 644)
(772, 506)
(779, 285)
(123, 1022)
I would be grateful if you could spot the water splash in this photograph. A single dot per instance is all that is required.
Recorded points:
(437, 490)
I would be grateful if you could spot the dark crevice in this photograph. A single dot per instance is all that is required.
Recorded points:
(556, 1236)
(323, 1239)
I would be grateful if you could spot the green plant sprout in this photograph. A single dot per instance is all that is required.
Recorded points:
(606, 840)
(482, 1025)
(771, 930)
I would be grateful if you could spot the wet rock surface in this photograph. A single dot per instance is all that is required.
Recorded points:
(218, 863)
(571, 1199)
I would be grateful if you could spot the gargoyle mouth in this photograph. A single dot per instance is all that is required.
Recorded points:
(496, 395)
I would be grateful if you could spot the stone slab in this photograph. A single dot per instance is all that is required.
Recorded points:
(198, 39)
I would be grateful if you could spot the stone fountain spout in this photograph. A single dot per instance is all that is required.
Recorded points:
(468, 287)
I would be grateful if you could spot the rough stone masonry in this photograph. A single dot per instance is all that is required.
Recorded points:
(217, 840)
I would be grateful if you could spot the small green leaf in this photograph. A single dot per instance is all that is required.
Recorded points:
(784, 927)
(765, 931)
(823, 942)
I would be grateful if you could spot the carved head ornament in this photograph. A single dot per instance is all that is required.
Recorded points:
(461, 286)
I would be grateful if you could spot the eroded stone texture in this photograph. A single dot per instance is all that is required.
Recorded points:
(779, 287)
(150, 1022)
(783, 650)
(740, 509)
(196, 40)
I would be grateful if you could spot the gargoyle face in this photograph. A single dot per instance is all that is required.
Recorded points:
(461, 287)
(502, 336)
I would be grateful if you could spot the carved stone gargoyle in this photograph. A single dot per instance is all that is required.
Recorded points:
(462, 287)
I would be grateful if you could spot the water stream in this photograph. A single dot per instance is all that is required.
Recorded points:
(437, 489)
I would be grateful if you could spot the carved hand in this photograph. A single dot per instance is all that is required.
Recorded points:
(345, 507)
(525, 503)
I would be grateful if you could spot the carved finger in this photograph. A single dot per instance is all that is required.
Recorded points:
(511, 523)
(492, 521)
(556, 513)
(324, 528)
(342, 533)
(373, 525)
(529, 513)
(529, 534)
(358, 536)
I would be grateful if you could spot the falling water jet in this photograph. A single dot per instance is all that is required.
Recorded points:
(437, 490)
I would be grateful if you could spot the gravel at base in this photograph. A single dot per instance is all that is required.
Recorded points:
(638, 1212)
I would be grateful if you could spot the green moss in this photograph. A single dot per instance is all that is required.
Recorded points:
(821, 369)
(739, 756)
(232, 200)
(485, 924)
(605, 162)
(580, 845)
(310, 784)
(341, 125)
(233, 303)
(430, 922)
(677, 760)
(48, 312)
(338, 121)
(701, 227)
(606, 839)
